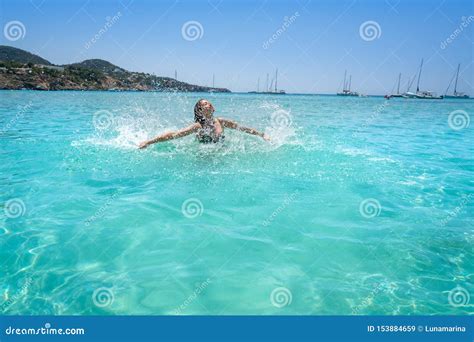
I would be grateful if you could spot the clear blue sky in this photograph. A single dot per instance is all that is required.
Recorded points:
(311, 53)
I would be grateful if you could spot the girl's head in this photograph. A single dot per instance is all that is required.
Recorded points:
(203, 111)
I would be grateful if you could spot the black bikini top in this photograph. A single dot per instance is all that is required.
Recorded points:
(207, 134)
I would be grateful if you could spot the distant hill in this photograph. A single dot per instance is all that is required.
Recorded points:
(98, 64)
(11, 54)
(20, 69)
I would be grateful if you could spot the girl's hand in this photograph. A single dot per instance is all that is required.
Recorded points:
(266, 137)
(143, 145)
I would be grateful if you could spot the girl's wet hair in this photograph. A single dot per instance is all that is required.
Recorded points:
(198, 112)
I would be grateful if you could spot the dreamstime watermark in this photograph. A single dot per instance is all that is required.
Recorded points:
(459, 119)
(456, 211)
(459, 296)
(369, 299)
(465, 21)
(129, 120)
(22, 110)
(286, 202)
(281, 119)
(10, 301)
(192, 208)
(192, 297)
(46, 330)
(102, 119)
(14, 30)
(370, 208)
(192, 30)
(370, 30)
(14, 208)
(281, 297)
(101, 211)
(109, 22)
(102, 297)
(374, 116)
(287, 22)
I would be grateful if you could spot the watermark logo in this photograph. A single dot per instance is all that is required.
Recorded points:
(102, 119)
(24, 286)
(281, 297)
(102, 210)
(377, 289)
(287, 22)
(192, 30)
(465, 22)
(14, 208)
(281, 119)
(286, 202)
(459, 296)
(47, 329)
(103, 297)
(370, 30)
(109, 22)
(370, 208)
(192, 208)
(14, 30)
(459, 119)
(373, 117)
(192, 297)
(22, 110)
(457, 210)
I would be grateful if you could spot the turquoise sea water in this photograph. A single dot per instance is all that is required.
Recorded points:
(357, 206)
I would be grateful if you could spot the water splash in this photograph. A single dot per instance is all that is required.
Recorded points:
(134, 124)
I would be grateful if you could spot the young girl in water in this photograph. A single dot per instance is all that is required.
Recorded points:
(208, 128)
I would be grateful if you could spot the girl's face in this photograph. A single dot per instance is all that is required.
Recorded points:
(207, 108)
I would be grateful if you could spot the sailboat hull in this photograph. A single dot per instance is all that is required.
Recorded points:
(456, 96)
(409, 95)
(279, 92)
(424, 97)
(348, 93)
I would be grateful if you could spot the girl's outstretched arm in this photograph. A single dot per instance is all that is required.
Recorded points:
(171, 135)
(234, 125)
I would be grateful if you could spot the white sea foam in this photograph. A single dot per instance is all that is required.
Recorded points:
(383, 159)
(353, 151)
(280, 136)
(127, 131)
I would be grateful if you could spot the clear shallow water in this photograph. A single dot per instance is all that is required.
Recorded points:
(101, 229)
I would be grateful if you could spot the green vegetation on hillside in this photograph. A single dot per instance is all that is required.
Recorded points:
(9, 53)
(20, 69)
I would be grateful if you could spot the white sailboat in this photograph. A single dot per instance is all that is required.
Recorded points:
(424, 94)
(269, 89)
(456, 94)
(346, 88)
(398, 89)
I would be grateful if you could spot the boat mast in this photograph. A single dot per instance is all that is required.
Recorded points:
(350, 81)
(410, 82)
(266, 84)
(398, 86)
(276, 79)
(419, 75)
(213, 79)
(449, 85)
(258, 85)
(344, 85)
(456, 82)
